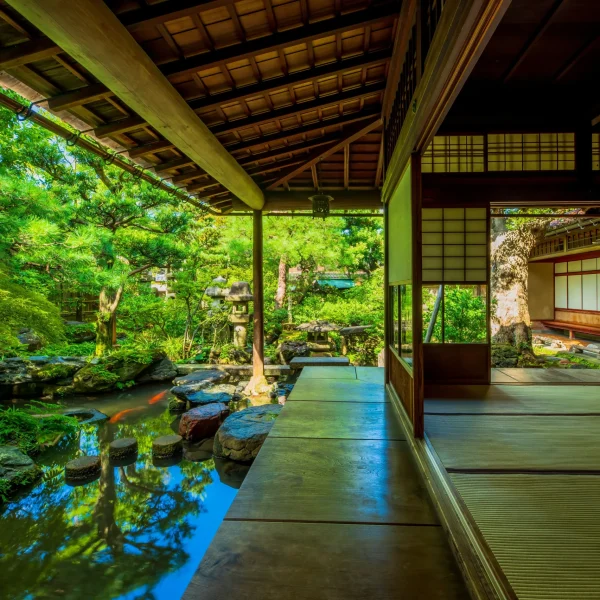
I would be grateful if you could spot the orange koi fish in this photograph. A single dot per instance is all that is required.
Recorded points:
(158, 397)
(122, 413)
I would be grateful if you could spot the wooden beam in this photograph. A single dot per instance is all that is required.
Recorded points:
(537, 34)
(176, 163)
(342, 200)
(118, 127)
(116, 59)
(462, 33)
(300, 107)
(379, 171)
(575, 58)
(27, 52)
(277, 40)
(353, 133)
(150, 148)
(347, 166)
(188, 176)
(305, 129)
(84, 95)
(315, 178)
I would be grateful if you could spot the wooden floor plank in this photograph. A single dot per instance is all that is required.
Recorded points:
(522, 443)
(338, 390)
(548, 376)
(304, 561)
(371, 374)
(496, 399)
(326, 372)
(342, 420)
(335, 481)
(543, 529)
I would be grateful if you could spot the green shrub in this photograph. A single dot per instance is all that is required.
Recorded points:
(20, 428)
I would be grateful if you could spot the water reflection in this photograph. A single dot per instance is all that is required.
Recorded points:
(138, 532)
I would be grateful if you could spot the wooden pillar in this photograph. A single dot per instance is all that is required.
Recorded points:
(258, 345)
(388, 318)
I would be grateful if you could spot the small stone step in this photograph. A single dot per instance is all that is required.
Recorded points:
(123, 448)
(83, 468)
(167, 446)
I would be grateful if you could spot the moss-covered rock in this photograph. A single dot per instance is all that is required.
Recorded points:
(55, 372)
(504, 356)
(17, 470)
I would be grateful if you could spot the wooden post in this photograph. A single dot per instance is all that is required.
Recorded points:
(258, 345)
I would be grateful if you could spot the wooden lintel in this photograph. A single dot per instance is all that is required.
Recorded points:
(349, 136)
(27, 52)
(278, 40)
(342, 200)
(111, 54)
(83, 95)
(510, 189)
(461, 35)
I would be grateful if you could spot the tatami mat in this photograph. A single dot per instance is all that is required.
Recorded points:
(490, 442)
(543, 529)
(503, 399)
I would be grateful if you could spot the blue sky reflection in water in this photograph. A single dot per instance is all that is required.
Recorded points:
(138, 532)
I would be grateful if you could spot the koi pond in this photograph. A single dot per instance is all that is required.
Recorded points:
(137, 532)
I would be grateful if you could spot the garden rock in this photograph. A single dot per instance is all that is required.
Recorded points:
(163, 370)
(504, 355)
(231, 473)
(289, 350)
(187, 385)
(123, 448)
(84, 468)
(223, 392)
(202, 422)
(167, 446)
(242, 434)
(17, 468)
(28, 338)
(176, 405)
(202, 377)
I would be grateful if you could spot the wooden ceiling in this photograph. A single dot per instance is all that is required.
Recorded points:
(292, 89)
(540, 71)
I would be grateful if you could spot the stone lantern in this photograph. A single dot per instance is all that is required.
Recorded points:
(318, 337)
(240, 295)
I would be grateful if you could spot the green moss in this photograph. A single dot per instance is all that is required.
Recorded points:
(54, 372)
(20, 480)
(29, 433)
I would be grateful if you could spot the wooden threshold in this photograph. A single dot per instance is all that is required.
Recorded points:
(482, 574)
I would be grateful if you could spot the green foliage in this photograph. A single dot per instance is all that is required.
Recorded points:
(19, 480)
(24, 308)
(29, 433)
(68, 349)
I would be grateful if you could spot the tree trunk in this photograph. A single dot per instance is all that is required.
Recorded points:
(106, 325)
(511, 323)
(281, 283)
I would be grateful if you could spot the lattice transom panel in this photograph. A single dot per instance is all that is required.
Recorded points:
(454, 245)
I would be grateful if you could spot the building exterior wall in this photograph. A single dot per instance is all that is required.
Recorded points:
(541, 291)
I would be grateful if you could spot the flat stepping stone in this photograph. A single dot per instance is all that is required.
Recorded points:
(167, 446)
(83, 468)
(202, 422)
(123, 448)
(243, 433)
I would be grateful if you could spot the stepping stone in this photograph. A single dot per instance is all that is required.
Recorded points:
(83, 468)
(167, 446)
(243, 433)
(123, 448)
(202, 422)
